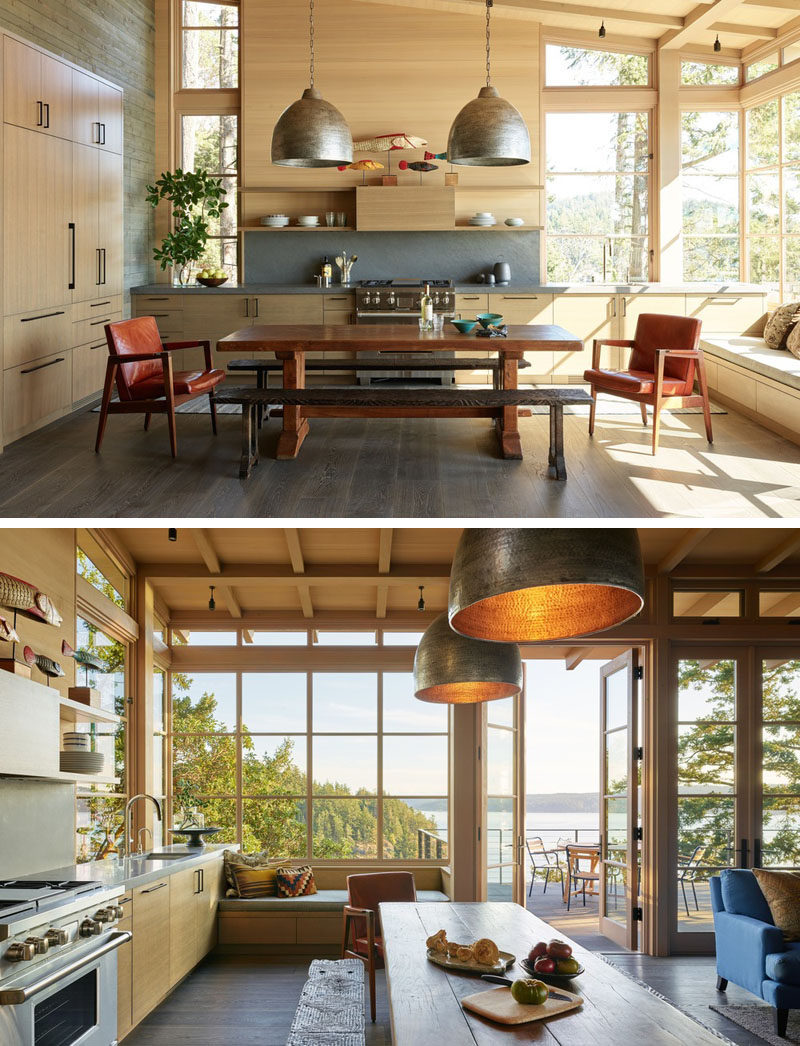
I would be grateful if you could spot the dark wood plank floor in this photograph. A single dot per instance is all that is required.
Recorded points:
(245, 1002)
(381, 468)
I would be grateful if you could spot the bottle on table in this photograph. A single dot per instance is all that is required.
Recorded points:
(327, 272)
(426, 310)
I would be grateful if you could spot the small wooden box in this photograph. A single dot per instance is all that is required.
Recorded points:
(451, 179)
(87, 695)
(16, 668)
(389, 179)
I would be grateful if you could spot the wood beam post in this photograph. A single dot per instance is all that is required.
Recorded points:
(676, 555)
(778, 554)
(669, 240)
(574, 656)
(202, 538)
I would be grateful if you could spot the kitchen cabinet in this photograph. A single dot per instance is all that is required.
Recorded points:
(726, 313)
(151, 946)
(338, 310)
(588, 317)
(33, 335)
(414, 207)
(97, 113)
(125, 971)
(183, 890)
(96, 217)
(211, 890)
(37, 90)
(631, 307)
(36, 393)
(209, 318)
(525, 309)
(88, 369)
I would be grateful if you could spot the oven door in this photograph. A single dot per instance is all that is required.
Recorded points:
(72, 1005)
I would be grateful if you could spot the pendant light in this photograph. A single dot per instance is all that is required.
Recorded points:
(601, 32)
(311, 132)
(212, 603)
(451, 669)
(539, 584)
(489, 131)
(717, 45)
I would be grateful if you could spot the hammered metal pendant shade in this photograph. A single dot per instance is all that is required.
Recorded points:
(515, 585)
(489, 132)
(452, 669)
(311, 133)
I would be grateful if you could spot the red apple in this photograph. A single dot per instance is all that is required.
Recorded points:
(544, 965)
(558, 949)
(540, 948)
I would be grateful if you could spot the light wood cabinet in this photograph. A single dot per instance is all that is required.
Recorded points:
(525, 309)
(110, 115)
(209, 318)
(469, 305)
(631, 307)
(36, 393)
(110, 227)
(88, 369)
(97, 113)
(417, 207)
(726, 313)
(96, 217)
(211, 889)
(151, 946)
(37, 90)
(32, 335)
(183, 951)
(588, 317)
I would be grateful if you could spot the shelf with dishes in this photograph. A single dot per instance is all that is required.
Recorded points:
(76, 712)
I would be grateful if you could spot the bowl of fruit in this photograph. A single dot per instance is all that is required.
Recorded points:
(552, 961)
(212, 277)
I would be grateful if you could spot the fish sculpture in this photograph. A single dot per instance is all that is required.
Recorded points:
(420, 166)
(7, 633)
(46, 665)
(435, 156)
(389, 142)
(363, 166)
(25, 599)
(83, 657)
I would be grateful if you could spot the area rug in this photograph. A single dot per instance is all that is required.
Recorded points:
(758, 1020)
(331, 1007)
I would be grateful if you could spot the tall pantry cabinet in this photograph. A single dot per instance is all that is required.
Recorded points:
(61, 232)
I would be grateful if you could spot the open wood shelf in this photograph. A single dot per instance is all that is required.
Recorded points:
(76, 712)
(61, 775)
(297, 228)
(500, 227)
(349, 188)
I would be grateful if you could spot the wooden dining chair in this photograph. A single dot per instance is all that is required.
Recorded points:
(141, 367)
(665, 360)
(576, 854)
(362, 937)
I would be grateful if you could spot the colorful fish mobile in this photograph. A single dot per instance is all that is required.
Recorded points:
(420, 166)
(389, 143)
(363, 166)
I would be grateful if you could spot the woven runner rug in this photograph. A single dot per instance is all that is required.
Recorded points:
(331, 1007)
(758, 1020)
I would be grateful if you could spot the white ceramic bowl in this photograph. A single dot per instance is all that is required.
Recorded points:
(484, 214)
(515, 221)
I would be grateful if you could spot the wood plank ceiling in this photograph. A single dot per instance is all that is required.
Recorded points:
(742, 25)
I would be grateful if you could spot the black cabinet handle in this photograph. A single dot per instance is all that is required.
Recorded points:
(756, 853)
(47, 114)
(96, 141)
(44, 316)
(247, 306)
(202, 880)
(71, 284)
(96, 323)
(158, 886)
(102, 345)
(98, 281)
(98, 304)
(103, 128)
(255, 302)
(42, 366)
(40, 114)
(104, 263)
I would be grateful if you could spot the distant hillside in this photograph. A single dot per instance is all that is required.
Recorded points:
(563, 802)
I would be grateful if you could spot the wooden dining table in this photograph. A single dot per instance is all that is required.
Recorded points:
(425, 999)
(290, 343)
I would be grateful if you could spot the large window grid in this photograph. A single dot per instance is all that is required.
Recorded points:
(209, 51)
(210, 142)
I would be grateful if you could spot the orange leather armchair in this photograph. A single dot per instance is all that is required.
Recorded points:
(146, 384)
(665, 360)
(362, 920)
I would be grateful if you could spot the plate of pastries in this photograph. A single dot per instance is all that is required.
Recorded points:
(482, 956)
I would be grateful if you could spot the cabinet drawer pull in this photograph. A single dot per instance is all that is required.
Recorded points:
(103, 129)
(153, 889)
(102, 345)
(472, 297)
(95, 323)
(97, 304)
(160, 315)
(156, 299)
(124, 900)
(337, 299)
(71, 284)
(723, 301)
(247, 306)
(520, 297)
(42, 366)
(47, 114)
(255, 302)
(44, 316)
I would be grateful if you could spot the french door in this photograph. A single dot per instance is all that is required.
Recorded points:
(503, 770)
(620, 789)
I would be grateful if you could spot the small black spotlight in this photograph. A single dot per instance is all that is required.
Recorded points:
(421, 603)
(601, 32)
(717, 45)
(172, 533)
(211, 604)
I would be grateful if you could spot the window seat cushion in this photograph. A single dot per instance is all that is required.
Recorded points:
(753, 354)
(321, 901)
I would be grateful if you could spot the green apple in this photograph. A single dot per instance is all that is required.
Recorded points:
(568, 966)
(529, 992)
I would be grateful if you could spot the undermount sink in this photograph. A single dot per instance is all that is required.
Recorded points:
(165, 857)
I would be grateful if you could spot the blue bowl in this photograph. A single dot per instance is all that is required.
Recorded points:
(489, 319)
(465, 326)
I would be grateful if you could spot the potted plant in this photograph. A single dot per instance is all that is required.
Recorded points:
(195, 198)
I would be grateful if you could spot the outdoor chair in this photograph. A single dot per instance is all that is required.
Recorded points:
(541, 862)
(141, 367)
(687, 873)
(362, 936)
(665, 359)
(576, 854)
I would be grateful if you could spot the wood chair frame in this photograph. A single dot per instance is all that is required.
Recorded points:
(348, 914)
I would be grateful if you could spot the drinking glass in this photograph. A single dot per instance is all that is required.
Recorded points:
(342, 219)
(330, 218)
(438, 322)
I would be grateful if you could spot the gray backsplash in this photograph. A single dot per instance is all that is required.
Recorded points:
(37, 826)
(276, 257)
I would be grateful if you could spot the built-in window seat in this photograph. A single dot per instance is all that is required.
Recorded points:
(762, 383)
(310, 925)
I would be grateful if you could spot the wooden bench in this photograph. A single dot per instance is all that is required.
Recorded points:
(264, 367)
(335, 402)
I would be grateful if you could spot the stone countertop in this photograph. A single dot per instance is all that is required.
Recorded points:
(132, 871)
(163, 289)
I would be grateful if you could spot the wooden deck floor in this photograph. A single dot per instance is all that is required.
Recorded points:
(402, 468)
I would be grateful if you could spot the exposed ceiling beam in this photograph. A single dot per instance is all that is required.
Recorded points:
(248, 635)
(785, 607)
(385, 550)
(260, 575)
(574, 656)
(780, 5)
(227, 593)
(295, 549)
(202, 538)
(700, 17)
(761, 32)
(288, 620)
(690, 540)
(305, 600)
(532, 10)
(705, 604)
(382, 601)
(182, 635)
(777, 555)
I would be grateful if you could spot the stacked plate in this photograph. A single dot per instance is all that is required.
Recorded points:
(308, 221)
(76, 762)
(483, 218)
(76, 742)
(275, 221)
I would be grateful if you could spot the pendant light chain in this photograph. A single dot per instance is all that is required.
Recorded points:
(311, 36)
(489, 5)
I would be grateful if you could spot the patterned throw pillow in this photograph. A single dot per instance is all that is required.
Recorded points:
(780, 325)
(782, 891)
(232, 859)
(295, 882)
(793, 341)
(255, 882)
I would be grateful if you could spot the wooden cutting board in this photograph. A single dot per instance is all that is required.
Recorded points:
(498, 1005)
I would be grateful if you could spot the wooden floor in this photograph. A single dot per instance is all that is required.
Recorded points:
(244, 1002)
(402, 468)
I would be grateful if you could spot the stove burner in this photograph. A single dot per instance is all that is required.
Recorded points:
(405, 283)
(78, 885)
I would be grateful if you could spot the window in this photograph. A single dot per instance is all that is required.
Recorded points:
(280, 638)
(344, 638)
(598, 181)
(710, 187)
(211, 143)
(702, 74)
(580, 67)
(761, 68)
(333, 765)
(210, 44)
(158, 783)
(779, 604)
(184, 637)
(791, 53)
(402, 638)
(707, 603)
(97, 579)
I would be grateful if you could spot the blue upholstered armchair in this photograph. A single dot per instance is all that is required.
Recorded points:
(751, 950)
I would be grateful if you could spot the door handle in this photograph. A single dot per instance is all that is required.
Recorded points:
(40, 114)
(743, 855)
(47, 114)
(103, 128)
(44, 316)
(103, 252)
(96, 123)
(756, 853)
(158, 886)
(255, 303)
(71, 284)
(42, 366)
(97, 252)
(247, 307)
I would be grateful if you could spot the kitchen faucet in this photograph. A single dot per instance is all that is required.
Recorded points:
(127, 844)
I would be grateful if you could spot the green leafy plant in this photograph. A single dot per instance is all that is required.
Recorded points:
(195, 198)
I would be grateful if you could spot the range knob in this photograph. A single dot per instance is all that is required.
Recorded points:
(118, 910)
(436, 299)
(391, 300)
(104, 915)
(57, 937)
(368, 299)
(19, 952)
(90, 928)
(40, 944)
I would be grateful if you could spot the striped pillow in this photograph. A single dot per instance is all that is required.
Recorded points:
(255, 882)
(295, 882)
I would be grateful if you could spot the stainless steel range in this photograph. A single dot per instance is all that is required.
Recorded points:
(58, 964)
(398, 301)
